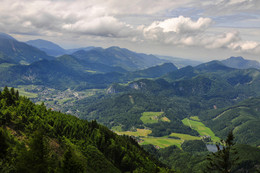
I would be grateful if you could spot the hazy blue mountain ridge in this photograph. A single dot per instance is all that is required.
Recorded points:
(14, 51)
(50, 48)
(241, 63)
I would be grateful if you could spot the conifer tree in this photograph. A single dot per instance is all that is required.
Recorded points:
(221, 161)
(36, 158)
(70, 163)
(3, 144)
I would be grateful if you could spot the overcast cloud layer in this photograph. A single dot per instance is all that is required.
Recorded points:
(195, 29)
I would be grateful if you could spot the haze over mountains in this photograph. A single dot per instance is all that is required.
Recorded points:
(241, 63)
(14, 51)
(145, 96)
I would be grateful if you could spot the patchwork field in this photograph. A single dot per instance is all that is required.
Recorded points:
(201, 129)
(153, 117)
(161, 142)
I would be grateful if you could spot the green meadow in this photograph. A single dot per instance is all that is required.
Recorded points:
(161, 142)
(153, 117)
(185, 137)
(138, 133)
(201, 129)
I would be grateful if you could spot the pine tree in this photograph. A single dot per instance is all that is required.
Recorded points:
(36, 158)
(17, 94)
(221, 161)
(70, 164)
(3, 144)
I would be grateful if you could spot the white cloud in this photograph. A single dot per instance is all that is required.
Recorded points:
(180, 30)
(180, 25)
(183, 31)
(107, 26)
(245, 46)
(41, 17)
(119, 21)
(222, 40)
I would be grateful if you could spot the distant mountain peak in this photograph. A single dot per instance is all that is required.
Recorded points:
(214, 65)
(241, 63)
(120, 57)
(236, 58)
(47, 46)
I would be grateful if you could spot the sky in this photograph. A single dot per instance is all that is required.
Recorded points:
(194, 29)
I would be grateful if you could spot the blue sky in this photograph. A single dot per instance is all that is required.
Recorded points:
(194, 29)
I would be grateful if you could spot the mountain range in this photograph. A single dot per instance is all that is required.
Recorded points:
(179, 94)
(146, 96)
(13, 51)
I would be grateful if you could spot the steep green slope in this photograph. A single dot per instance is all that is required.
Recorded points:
(243, 118)
(18, 52)
(126, 110)
(193, 157)
(34, 139)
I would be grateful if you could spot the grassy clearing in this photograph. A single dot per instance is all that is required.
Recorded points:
(165, 119)
(161, 142)
(153, 117)
(185, 136)
(150, 117)
(138, 133)
(201, 129)
(22, 92)
(195, 118)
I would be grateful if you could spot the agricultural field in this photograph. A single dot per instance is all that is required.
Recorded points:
(153, 117)
(185, 137)
(138, 133)
(161, 141)
(201, 129)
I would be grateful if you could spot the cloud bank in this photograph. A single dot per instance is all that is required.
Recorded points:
(150, 22)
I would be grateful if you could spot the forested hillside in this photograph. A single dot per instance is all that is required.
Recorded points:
(34, 139)
(242, 118)
(180, 94)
